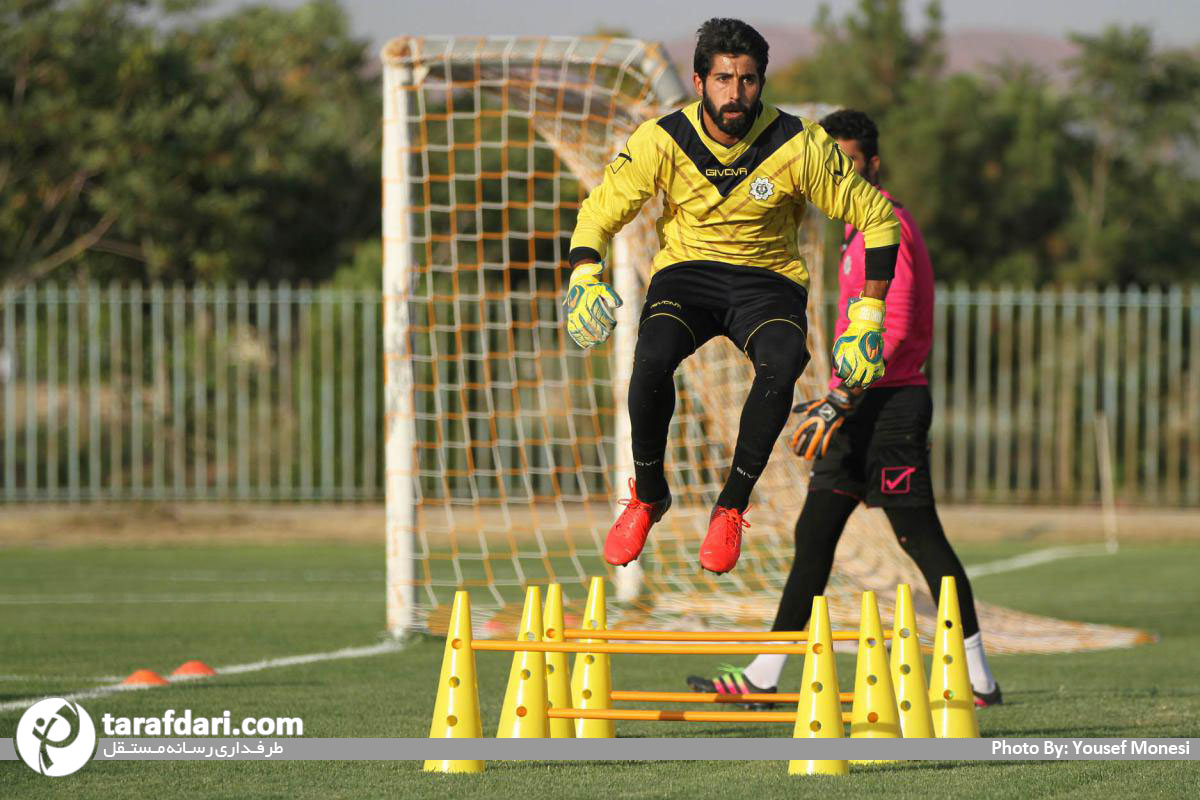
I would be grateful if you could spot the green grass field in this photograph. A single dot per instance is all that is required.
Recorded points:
(76, 618)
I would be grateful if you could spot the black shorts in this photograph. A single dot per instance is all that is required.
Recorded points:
(712, 298)
(881, 453)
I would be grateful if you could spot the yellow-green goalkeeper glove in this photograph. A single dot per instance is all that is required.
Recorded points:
(590, 306)
(858, 353)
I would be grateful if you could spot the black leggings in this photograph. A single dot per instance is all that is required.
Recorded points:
(817, 532)
(779, 355)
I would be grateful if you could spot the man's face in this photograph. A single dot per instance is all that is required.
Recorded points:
(730, 93)
(868, 168)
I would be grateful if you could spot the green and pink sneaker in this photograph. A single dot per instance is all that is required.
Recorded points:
(732, 681)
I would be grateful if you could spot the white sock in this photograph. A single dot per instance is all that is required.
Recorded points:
(765, 669)
(982, 679)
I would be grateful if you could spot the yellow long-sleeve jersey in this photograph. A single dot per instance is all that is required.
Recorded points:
(737, 205)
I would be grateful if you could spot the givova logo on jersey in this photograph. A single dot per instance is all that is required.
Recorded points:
(55, 737)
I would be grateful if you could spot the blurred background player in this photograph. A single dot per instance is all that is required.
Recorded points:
(870, 445)
(737, 177)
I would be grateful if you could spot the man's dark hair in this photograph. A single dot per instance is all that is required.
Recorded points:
(723, 36)
(854, 125)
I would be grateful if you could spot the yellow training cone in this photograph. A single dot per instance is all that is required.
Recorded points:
(874, 714)
(950, 698)
(456, 712)
(523, 715)
(819, 712)
(591, 680)
(558, 680)
(908, 670)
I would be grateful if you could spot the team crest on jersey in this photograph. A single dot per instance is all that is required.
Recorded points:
(761, 188)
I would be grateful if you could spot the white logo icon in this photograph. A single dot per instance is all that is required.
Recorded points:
(761, 188)
(55, 737)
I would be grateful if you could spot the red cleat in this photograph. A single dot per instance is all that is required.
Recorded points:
(723, 544)
(627, 536)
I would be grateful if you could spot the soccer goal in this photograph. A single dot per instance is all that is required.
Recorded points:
(507, 446)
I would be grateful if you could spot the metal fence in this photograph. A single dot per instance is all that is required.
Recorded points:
(210, 393)
(1024, 381)
(239, 393)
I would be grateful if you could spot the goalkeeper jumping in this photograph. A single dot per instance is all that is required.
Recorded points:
(736, 177)
(870, 446)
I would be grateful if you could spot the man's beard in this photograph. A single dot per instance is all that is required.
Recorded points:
(733, 126)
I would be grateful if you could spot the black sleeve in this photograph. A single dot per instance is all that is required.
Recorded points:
(881, 262)
(578, 254)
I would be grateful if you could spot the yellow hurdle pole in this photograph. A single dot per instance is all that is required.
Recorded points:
(591, 680)
(908, 670)
(950, 697)
(635, 696)
(456, 710)
(523, 715)
(818, 713)
(648, 648)
(706, 636)
(558, 677)
(666, 715)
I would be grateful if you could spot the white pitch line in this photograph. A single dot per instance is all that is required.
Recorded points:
(311, 658)
(173, 598)
(255, 576)
(57, 678)
(233, 669)
(1033, 559)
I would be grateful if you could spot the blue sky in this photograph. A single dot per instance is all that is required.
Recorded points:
(1174, 22)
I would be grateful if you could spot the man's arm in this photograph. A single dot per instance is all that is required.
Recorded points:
(629, 181)
(829, 181)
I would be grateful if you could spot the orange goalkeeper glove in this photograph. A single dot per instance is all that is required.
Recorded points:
(821, 420)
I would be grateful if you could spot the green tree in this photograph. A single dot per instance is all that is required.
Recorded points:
(1012, 178)
(1136, 191)
(868, 60)
(977, 159)
(142, 145)
(980, 161)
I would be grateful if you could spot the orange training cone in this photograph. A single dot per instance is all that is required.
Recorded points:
(950, 698)
(908, 670)
(819, 712)
(591, 680)
(874, 714)
(193, 669)
(456, 712)
(523, 715)
(145, 677)
(558, 678)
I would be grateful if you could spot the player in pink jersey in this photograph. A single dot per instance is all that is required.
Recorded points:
(870, 445)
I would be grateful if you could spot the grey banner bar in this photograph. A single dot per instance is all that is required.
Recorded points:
(778, 749)
(648, 749)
